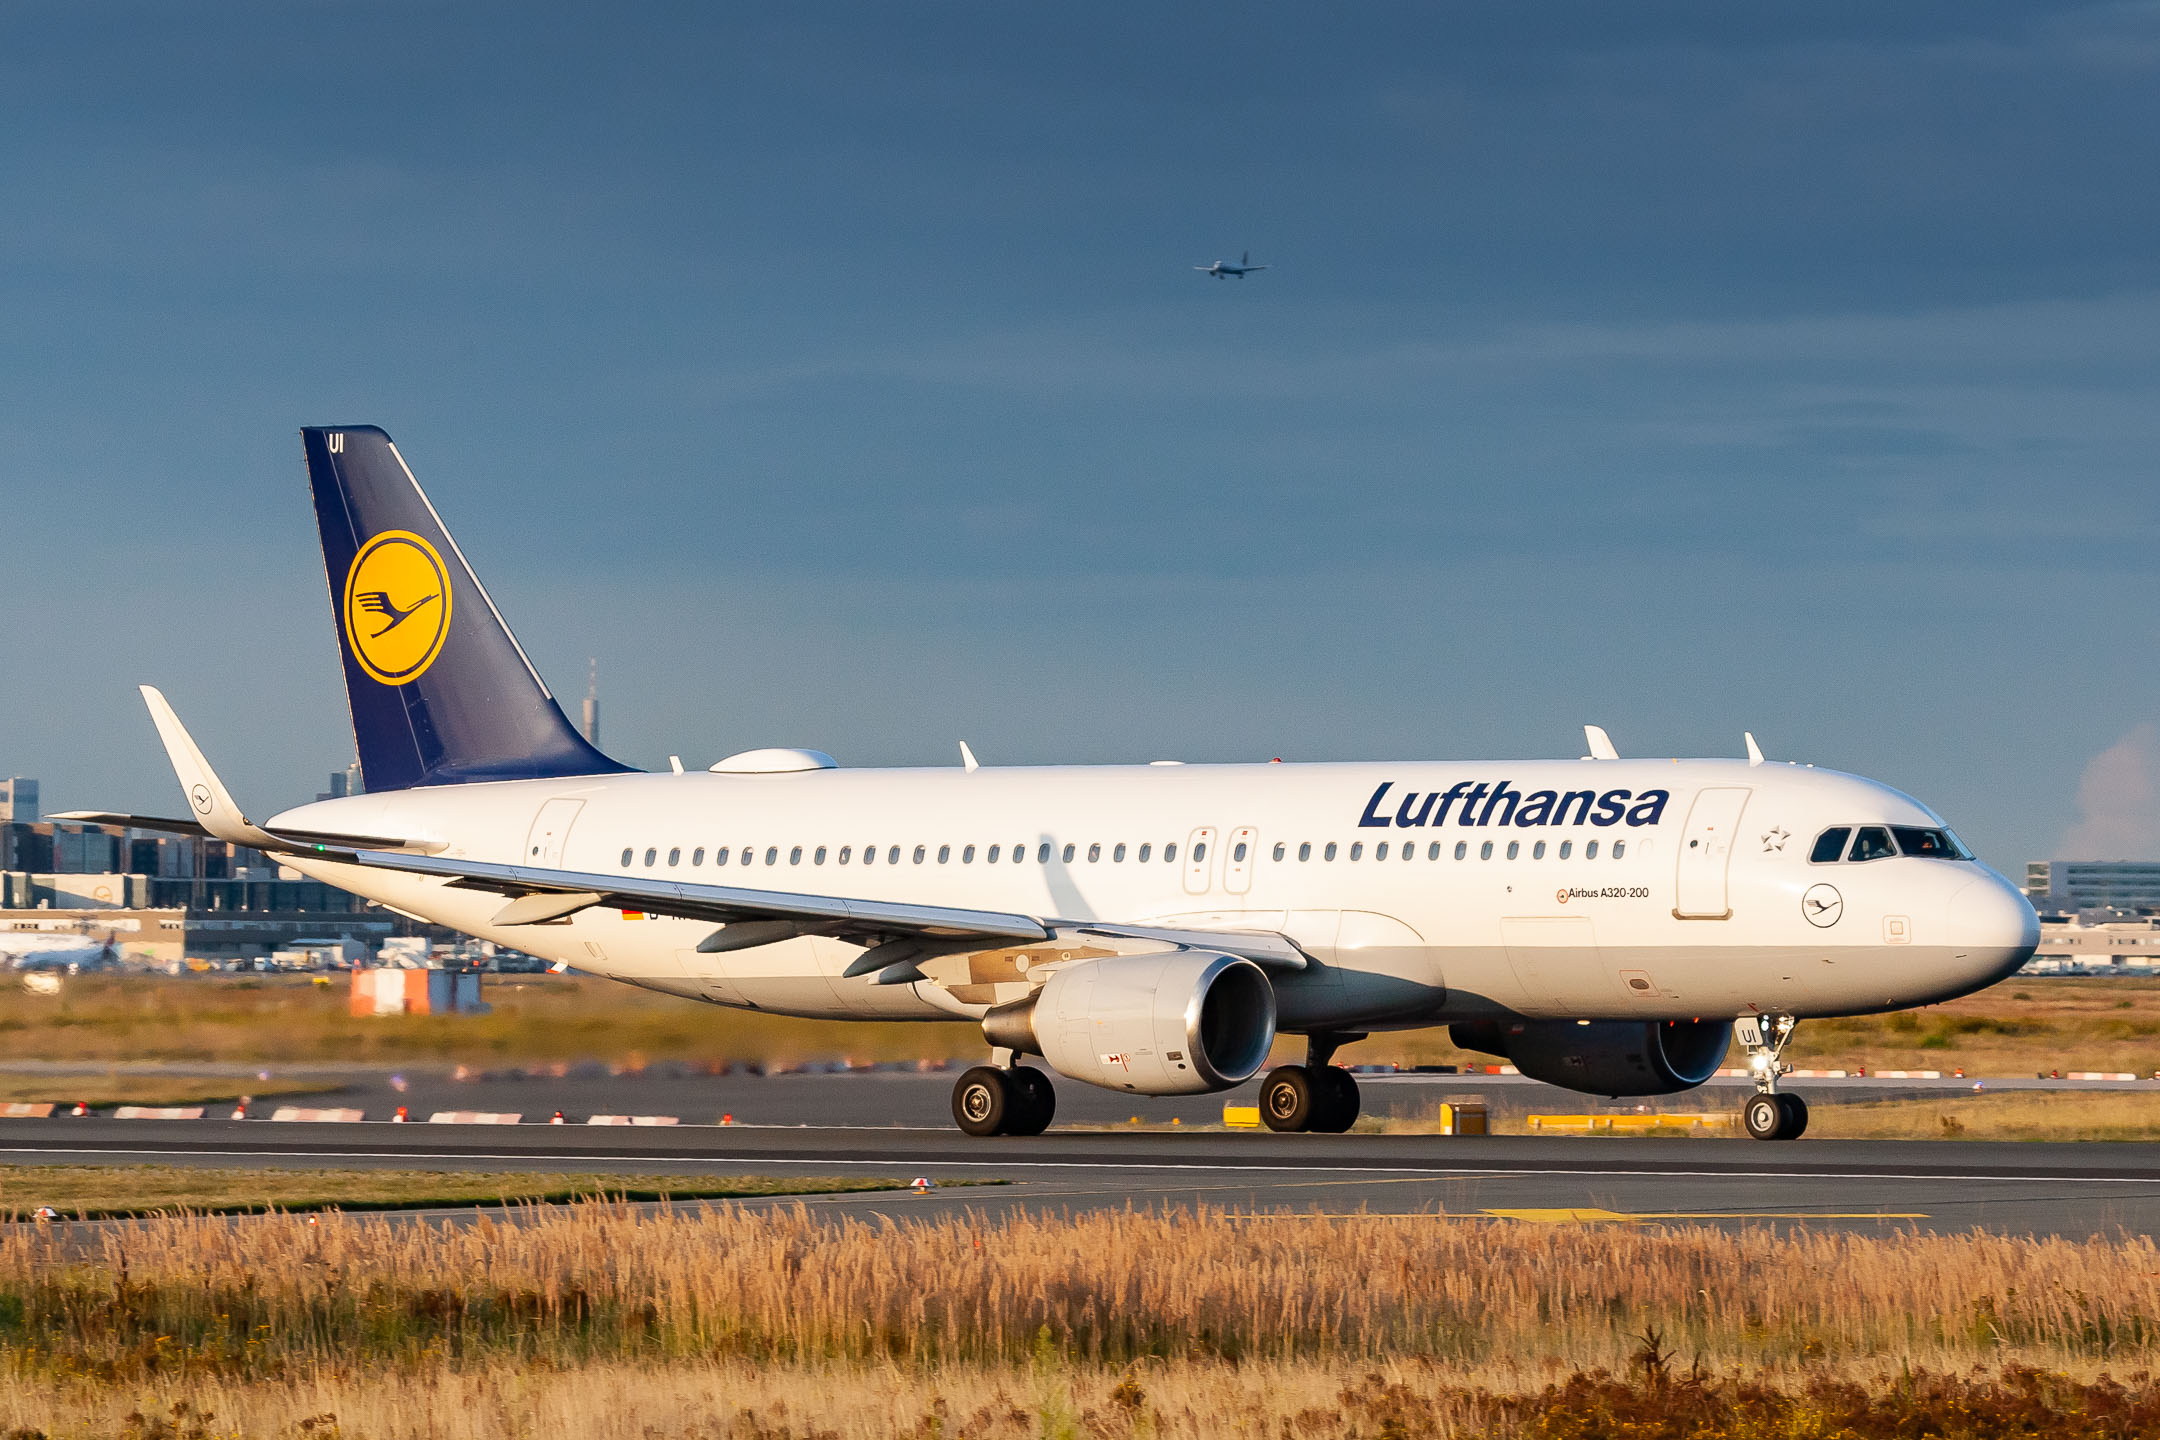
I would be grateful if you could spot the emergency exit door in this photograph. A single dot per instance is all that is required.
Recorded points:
(1706, 845)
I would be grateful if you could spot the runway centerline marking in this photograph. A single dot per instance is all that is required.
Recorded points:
(995, 1163)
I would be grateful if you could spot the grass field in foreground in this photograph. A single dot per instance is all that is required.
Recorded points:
(98, 1091)
(99, 1191)
(602, 1322)
(2016, 1028)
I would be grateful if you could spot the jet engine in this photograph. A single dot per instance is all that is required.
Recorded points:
(1605, 1057)
(1174, 1022)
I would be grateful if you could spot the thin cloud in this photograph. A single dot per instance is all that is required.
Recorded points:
(2119, 801)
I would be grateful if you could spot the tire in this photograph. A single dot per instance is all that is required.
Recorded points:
(1764, 1116)
(1339, 1091)
(1795, 1109)
(1288, 1099)
(1035, 1101)
(982, 1101)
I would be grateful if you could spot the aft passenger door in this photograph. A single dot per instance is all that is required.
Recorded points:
(550, 830)
(1705, 852)
(1238, 864)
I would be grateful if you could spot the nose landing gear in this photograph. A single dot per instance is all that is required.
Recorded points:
(1770, 1114)
(1317, 1095)
(1009, 1100)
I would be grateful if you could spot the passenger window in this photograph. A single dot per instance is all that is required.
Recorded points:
(651, 856)
(1066, 854)
(719, 856)
(1484, 851)
(1042, 854)
(1830, 845)
(1169, 854)
(1357, 850)
(892, 856)
(794, 855)
(944, 854)
(1280, 850)
(992, 857)
(847, 853)
(1409, 850)
(1119, 853)
(1872, 843)
(674, 856)
(1379, 851)
(697, 856)
(920, 853)
(1929, 844)
(1514, 848)
(1567, 848)
(819, 857)
(1432, 851)
(1019, 853)
(1237, 854)
(1094, 853)
(1462, 849)
(1589, 851)
(967, 856)
(1619, 848)
(626, 859)
(1537, 851)
(1329, 853)
(1199, 852)
(772, 854)
(1304, 850)
(1147, 850)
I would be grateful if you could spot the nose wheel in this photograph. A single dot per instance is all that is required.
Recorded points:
(988, 1100)
(1769, 1114)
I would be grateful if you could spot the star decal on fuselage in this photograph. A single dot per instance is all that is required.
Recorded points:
(1775, 838)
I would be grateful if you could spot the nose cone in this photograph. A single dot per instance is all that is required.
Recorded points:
(1992, 925)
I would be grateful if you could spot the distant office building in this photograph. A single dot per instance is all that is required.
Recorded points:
(2073, 885)
(343, 783)
(591, 727)
(18, 801)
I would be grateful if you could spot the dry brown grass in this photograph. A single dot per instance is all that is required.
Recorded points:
(98, 1091)
(602, 1321)
(2000, 1115)
(2016, 1028)
(91, 1191)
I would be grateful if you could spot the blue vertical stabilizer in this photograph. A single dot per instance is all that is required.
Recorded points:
(441, 692)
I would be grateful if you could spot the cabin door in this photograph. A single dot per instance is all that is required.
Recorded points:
(550, 829)
(1706, 851)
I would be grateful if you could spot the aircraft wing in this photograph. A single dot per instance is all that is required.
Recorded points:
(761, 917)
(280, 841)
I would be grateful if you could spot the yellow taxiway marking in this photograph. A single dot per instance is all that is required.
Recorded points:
(1566, 1217)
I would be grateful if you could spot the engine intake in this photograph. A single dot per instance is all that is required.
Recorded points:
(1605, 1057)
(1178, 1022)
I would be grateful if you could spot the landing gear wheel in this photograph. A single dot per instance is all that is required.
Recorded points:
(1288, 1099)
(982, 1101)
(1035, 1101)
(1764, 1117)
(1339, 1091)
(1795, 1110)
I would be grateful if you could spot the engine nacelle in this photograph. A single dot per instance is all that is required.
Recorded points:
(1174, 1022)
(1605, 1057)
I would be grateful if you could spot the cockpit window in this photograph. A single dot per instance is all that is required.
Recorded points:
(1830, 845)
(1872, 843)
(1930, 844)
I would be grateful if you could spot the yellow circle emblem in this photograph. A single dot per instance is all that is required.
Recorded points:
(397, 606)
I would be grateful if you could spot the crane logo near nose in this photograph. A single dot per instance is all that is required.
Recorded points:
(1822, 905)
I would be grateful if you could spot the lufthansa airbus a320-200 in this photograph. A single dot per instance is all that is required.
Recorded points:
(1606, 925)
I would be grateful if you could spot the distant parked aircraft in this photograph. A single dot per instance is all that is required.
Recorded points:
(1221, 268)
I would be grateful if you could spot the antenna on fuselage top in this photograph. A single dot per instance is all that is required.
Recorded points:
(967, 758)
(1754, 751)
(1601, 746)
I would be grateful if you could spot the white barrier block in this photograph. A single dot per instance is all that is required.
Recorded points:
(158, 1112)
(331, 1117)
(27, 1110)
(473, 1117)
(633, 1120)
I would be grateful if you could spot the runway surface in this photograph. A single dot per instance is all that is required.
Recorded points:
(2070, 1190)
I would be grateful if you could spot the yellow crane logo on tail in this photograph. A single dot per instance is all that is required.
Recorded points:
(397, 606)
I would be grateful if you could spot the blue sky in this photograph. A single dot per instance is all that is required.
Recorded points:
(837, 376)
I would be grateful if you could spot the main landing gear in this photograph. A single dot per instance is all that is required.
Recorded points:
(1011, 1099)
(1317, 1095)
(1770, 1113)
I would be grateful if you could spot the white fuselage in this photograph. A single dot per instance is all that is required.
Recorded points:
(1689, 905)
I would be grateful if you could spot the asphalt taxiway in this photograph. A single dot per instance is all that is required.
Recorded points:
(2071, 1190)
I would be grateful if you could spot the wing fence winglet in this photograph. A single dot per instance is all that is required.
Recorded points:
(206, 794)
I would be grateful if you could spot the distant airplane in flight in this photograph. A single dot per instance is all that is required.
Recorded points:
(1221, 268)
